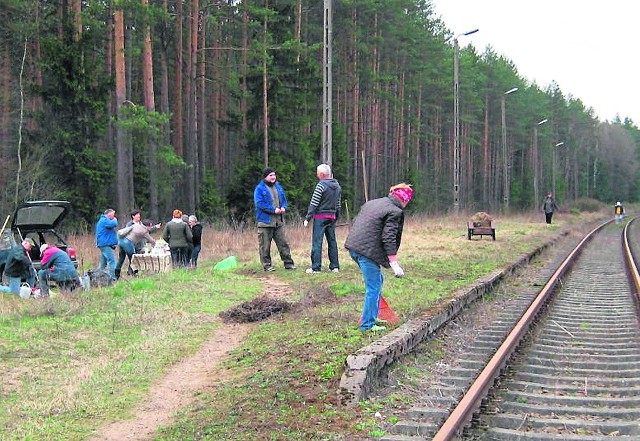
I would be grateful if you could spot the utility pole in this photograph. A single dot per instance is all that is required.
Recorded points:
(327, 81)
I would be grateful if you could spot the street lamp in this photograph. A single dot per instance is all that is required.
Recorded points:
(553, 168)
(504, 148)
(456, 122)
(536, 166)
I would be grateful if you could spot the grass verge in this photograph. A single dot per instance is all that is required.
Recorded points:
(76, 361)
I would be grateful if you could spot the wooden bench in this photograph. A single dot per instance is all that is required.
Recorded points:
(473, 229)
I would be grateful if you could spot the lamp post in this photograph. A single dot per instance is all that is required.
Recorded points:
(505, 156)
(456, 121)
(536, 168)
(553, 168)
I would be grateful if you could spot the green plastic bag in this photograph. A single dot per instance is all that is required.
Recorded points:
(230, 262)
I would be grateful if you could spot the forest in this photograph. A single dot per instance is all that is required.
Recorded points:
(163, 104)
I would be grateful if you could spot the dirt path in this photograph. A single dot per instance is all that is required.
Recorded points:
(177, 389)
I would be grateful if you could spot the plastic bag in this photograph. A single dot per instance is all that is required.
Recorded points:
(230, 262)
(25, 291)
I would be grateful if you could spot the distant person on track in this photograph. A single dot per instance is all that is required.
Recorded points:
(549, 206)
(271, 205)
(618, 211)
(323, 208)
(373, 241)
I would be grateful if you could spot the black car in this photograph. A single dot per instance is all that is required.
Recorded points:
(38, 220)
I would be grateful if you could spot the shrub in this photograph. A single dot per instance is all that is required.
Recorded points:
(587, 204)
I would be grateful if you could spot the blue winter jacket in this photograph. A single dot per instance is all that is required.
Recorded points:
(106, 232)
(264, 201)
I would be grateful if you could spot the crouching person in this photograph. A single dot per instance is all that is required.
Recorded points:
(55, 265)
(18, 268)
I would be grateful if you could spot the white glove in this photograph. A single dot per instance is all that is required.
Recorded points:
(397, 270)
(306, 223)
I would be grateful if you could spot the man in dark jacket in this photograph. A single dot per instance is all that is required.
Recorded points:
(373, 241)
(18, 268)
(323, 208)
(549, 206)
(271, 204)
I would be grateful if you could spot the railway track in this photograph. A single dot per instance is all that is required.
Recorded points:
(562, 364)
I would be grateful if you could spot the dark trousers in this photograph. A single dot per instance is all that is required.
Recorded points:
(195, 252)
(265, 236)
(548, 217)
(179, 256)
(324, 228)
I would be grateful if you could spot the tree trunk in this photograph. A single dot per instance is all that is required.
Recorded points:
(109, 68)
(265, 100)
(202, 115)
(177, 102)
(5, 112)
(191, 149)
(76, 9)
(164, 79)
(122, 202)
(486, 158)
(150, 106)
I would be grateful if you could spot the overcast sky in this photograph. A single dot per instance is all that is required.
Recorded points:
(589, 48)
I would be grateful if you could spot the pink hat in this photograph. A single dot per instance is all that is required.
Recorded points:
(402, 191)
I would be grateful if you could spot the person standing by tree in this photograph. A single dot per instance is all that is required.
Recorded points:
(106, 240)
(549, 206)
(196, 231)
(271, 204)
(373, 241)
(178, 235)
(323, 208)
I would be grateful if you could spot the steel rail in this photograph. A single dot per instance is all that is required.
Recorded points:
(455, 423)
(632, 268)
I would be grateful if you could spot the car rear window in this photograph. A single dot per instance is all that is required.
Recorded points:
(38, 215)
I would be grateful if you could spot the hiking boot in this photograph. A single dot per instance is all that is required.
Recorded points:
(381, 322)
(269, 269)
(376, 328)
(312, 271)
(335, 270)
(292, 267)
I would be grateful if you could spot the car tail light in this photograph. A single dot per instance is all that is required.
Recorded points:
(72, 252)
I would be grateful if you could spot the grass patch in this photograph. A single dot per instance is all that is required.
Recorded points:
(76, 361)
